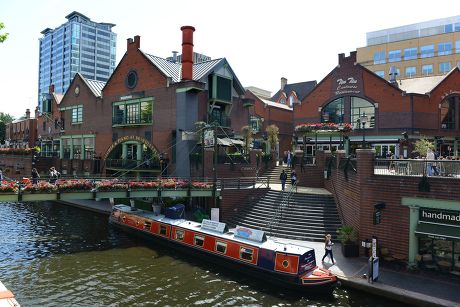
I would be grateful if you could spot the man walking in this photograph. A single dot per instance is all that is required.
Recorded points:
(283, 178)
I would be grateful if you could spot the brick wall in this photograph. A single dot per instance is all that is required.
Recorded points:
(16, 166)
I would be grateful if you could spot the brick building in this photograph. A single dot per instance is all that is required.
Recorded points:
(22, 132)
(385, 115)
(142, 118)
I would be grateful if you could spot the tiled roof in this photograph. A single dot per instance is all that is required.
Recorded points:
(94, 85)
(420, 85)
(301, 89)
(173, 70)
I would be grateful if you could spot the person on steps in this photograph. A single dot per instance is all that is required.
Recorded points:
(283, 178)
(328, 248)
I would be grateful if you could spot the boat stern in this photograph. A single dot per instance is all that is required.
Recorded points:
(318, 277)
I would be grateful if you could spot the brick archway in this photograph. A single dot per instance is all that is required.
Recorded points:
(131, 138)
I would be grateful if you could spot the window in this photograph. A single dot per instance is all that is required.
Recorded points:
(333, 112)
(163, 230)
(77, 115)
(360, 107)
(220, 88)
(246, 253)
(147, 225)
(180, 234)
(76, 147)
(133, 112)
(457, 27)
(458, 64)
(198, 240)
(427, 51)
(411, 71)
(444, 67)
(89, 148)
(410, 54)
(394, 56)
(448, 28)
(427, 69)
(221, 247)
(380, 73)
(444, 48)
(448, 113)
(379, 57)
(457, 46)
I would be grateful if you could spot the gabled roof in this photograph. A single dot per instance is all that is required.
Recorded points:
(302, 89)
(58, 98)
(422, 85)
(201, 70)
(275, 104)
(94, 85)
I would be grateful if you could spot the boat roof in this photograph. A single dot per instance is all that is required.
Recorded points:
(276, 245)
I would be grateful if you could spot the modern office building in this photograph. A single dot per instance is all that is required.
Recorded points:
(427, 48)
(79, 45)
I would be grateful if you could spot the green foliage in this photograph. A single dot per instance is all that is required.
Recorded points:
(422, 146)
(272, 133)
(247, 137)
(3, 36)
(6, 118)
(347, 234)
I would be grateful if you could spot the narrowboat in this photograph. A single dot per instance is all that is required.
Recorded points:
(243, 249)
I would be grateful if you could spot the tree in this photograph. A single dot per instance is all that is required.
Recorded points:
(422, 146)
(4, 119)
(272, 133)
(3, 36)
(247, 137)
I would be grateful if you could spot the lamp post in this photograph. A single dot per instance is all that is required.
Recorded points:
(363, 121)
(341, 127)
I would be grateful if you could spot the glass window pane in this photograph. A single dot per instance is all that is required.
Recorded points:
(410, 53)
(379, 57)
(444, 67)
(427, 69)
(427, 51)
(411, 71)
(333, 112)
(394, 56)
(380, 73)
(361, 107)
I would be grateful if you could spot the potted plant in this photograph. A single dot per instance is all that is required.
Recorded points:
(348, 236)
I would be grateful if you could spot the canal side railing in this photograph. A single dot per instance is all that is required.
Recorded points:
(417, 167)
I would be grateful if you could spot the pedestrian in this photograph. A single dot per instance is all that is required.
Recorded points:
(1, 175)
(283, 178)
(289, 158)
(429, 164)
(294, 179)
(54, 175)
(35, 176)
(328, 248)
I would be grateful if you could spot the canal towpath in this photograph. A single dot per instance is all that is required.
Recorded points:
(395, 282)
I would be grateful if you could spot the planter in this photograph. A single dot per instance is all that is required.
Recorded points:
(143, 193)
(174, 193)
(76, 195)
(8, 197)
(201, 193)
(113, 194)
(350, 250)
(38, 196)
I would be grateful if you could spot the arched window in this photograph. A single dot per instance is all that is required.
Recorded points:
(333, 112)
(361, 107)
(448, 113)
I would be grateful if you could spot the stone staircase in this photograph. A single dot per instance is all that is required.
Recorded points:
(306, 217)
(274, 174)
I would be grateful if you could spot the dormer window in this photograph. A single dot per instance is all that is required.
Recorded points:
(283, 101)
(220, 88)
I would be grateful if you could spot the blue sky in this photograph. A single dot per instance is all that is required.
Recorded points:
(262, 40)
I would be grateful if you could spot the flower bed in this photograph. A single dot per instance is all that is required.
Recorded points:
(111, 185)
(200, 185)
(322, 127)
(16, 151)
(42, 186)
(144, 185)
(8, 187)
(74, 185)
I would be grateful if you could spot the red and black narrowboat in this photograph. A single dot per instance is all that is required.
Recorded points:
(245, 249)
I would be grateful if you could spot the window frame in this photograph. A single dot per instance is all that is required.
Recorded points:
(378, 59)
(76, 115)
(443, 69)
(423, 69)
(408, 53)
(222, 244)
(243, 250)
(425, 52)
(131, 112)
(444, 49)
(197, 238)
(394, 56)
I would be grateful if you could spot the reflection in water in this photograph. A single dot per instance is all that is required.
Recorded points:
(53, 255)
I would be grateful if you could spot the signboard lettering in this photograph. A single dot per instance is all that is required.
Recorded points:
(213, 226)
(209, 138)
(440, 216)
(347, 86)
(249, 233)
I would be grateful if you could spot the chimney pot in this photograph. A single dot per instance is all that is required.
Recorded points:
(51, 89)
(187, 52)
(283, 82)
(27, 113)
(137, 41)
(341, 57)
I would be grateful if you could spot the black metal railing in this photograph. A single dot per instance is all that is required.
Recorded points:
(221, 120)
(235, 159)
(417, 167)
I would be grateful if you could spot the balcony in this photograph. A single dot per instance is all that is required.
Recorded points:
(221, 120)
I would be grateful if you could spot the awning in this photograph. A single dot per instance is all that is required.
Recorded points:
(229, 142)
(438, 231)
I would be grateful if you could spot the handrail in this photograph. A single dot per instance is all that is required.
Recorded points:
(274, 221)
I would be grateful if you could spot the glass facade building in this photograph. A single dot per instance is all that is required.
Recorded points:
(79, 45)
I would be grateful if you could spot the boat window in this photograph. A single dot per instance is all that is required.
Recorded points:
(199, 240)
(147, 225)
(180, 235)
(221, 247)
(162, 230)
(246, 253)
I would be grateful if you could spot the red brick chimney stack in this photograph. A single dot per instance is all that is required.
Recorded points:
(133, 44)
(187, 52)
(27, 113)
(51, 89)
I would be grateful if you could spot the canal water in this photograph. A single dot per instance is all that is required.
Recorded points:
(55, 255)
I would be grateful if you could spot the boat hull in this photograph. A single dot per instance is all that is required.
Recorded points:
(285, 281)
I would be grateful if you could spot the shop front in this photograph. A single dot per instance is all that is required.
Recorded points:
(434, 234)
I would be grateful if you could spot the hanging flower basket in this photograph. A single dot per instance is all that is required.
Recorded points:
(323, 128)
(8, 187)
(74, 185)
(41, 187)
(144, 185)
(111, 185)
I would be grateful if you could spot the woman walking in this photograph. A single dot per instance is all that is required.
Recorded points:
(328, 248)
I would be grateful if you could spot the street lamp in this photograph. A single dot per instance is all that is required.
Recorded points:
(363, 121)
(341, 127)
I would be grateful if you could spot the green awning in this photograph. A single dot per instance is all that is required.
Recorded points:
(438, 231)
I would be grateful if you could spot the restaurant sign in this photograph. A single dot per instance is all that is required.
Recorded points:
(347, 86)
(448, 217)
